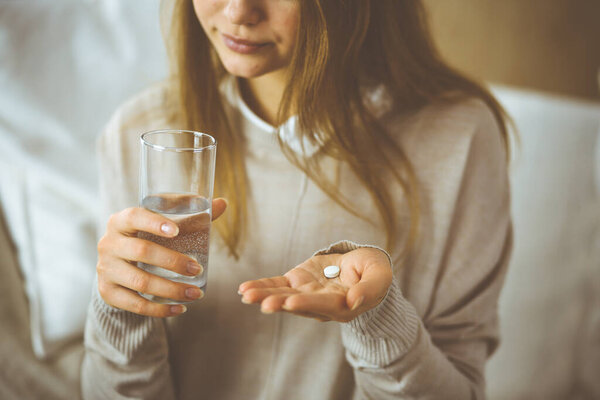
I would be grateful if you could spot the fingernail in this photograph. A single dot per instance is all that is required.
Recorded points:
(194, 268)
(240, 293)
(169, 229)
(179, 309)
(358, 303)
(193, 293)
(286, 308)
(246, 301)
(266, 311)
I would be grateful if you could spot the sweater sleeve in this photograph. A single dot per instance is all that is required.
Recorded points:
(126, 355)
(395, 353)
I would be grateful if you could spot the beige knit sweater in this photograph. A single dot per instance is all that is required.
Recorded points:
(428, 339)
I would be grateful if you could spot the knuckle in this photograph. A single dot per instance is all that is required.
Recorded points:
(174, 291)
(168, 260)
(100, 268)
(102, 288)
(139, 307)
(102, 244)
(141, 249)
(140, 282)
(112, 220)
(129, 215)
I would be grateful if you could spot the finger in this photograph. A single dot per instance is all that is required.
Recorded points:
(131, 277)
(138, 249)
(273, 303)
(251, 296)
(276, 281)
(318, 317)
(331, 305)
(218, 207)
(129, 300)
(371, 289)
(136, 219)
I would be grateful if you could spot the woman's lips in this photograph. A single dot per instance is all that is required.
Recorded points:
(242, 46)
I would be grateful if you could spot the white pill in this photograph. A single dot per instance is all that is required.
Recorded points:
(331, 271)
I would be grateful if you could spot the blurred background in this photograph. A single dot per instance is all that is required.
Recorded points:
(66, 66)
(547, 45)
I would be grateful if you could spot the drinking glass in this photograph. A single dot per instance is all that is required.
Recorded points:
(177, 169)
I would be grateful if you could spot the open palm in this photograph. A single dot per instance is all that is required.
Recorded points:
(365, 276)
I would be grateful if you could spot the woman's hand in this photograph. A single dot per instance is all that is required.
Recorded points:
(119, 279)
(365, 276)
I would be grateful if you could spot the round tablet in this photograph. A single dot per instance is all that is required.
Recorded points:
(331, 271)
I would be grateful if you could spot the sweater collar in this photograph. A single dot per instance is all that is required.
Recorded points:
(288, 131)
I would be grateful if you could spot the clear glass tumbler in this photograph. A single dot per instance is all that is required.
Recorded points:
(177, 169)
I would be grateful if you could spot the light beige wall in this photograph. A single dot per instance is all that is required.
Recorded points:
(551, 45)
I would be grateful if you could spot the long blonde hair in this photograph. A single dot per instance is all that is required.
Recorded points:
(342, 47)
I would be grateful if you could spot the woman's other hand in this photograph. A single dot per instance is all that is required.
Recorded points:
(364, 279)
(119, 250)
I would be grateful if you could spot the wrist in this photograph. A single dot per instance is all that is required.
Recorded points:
(383, 333)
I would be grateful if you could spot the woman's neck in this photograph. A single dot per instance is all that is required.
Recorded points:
(263, 95)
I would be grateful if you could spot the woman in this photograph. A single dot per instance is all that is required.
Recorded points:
(341, 134)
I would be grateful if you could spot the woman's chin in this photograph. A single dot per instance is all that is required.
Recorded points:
(248, 69)
(247, 73)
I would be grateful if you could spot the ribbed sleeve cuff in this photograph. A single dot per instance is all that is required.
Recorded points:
(344, 246)
(124, 335)
(383, 334)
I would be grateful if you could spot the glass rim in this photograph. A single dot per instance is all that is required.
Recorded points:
(159, 147)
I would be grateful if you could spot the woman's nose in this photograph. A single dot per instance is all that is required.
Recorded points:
(242, 12)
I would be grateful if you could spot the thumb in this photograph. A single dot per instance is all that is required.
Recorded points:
(370, 290)
(218, 207)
